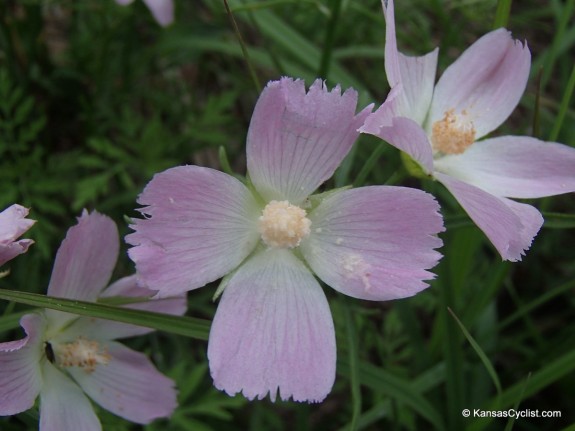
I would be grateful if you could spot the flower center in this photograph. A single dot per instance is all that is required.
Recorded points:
(283, 225)
(82, 353)
(453, 134)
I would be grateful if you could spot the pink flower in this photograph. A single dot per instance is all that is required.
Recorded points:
(12, 225)
(162, 10)
(63, 356)
(439, 128)
(273, 328)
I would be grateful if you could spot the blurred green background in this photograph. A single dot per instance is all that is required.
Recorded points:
(95, 98)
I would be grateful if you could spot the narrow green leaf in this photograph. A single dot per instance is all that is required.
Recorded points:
(225, 164)
(512, 420)
(400, 390)
(329, 41)
(537, 106)
(353, 356)
(245, 52)
(559, 220)
(187, 326)
(300, 48)
(569, 428)
(370, 163)
(559, 37)
(542, 299)
(502, 13)
(449, 338)
(563, 107)
(540, 379)
(482, 356)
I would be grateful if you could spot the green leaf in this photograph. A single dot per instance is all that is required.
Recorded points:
(400, 390)
(568, 92)
(547, 375)
(482, 356)
(502, 13)
(181, 325)
(353, 356)
(559, 220)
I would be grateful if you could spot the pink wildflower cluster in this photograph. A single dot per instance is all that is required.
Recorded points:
(273, 332)
(276, 236)
(64, 359)
(439, 127)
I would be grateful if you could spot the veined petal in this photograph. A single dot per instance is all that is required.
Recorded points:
(162, 10)
(416, 75)
(11, 250)
(509, 225)
(63, 405)
(127, 287)
(417, 80)
(392, 69)
(375, 242)
(485, 83)
(514, 166)
(86, 258)
(403, 133)
(13, 223)
(273, 331)
(296, 140)
(202, 223)
(128, 386)
(20, 377)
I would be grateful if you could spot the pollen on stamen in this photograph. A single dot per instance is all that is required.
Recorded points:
(452, 134)
(83, 353)
(283, 225)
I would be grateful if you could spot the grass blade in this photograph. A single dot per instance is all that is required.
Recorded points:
(398, 389)
(352, 354)
(187, 326)
(245, 53)
(563, 107)
(482, 356)
(544, 377)
(502, 13)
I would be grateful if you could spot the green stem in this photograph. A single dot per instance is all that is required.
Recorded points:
(249, 64)
(329, 39)
(564, 106)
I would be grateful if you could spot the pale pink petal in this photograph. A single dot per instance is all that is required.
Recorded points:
(63, 405)
(296, 140)
(509, 225)
(418, 80)
(13, 224)
(514, 166)
(392, 69)
(126, 288)
(375, 242)
(273, 331)
(86, 258)
(416, 75)
(485, 84)
(163, 11)
(128, 386)
(403, 133)
(20, 376)
(200, 225)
